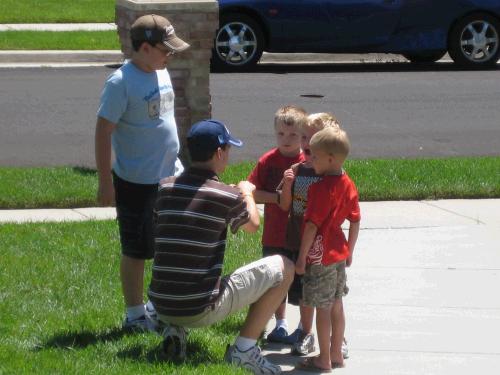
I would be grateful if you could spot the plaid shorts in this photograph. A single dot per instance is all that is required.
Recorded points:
(322, 285)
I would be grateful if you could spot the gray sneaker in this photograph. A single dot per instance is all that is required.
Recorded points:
(304, 345)
(251, 360)
(174, 342)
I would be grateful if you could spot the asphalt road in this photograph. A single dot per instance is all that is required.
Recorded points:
(389, 110)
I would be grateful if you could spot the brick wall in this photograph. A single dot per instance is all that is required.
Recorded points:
(195, 21)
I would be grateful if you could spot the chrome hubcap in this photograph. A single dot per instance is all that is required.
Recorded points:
(479, 41)
(236, 43)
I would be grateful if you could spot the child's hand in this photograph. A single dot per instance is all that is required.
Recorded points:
(288, 177)
(246, 187)
(300, 267)
(348, 261)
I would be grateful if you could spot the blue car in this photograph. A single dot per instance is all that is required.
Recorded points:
(420, 30)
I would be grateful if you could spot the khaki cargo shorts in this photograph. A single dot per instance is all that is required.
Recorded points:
(242, 288)
(322, 285)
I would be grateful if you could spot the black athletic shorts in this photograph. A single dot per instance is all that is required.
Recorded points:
(295, 291)
(134, 209)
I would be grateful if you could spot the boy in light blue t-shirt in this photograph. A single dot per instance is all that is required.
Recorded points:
(136, 120)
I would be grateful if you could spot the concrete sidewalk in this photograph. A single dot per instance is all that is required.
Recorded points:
(423, 287)
(423, 296)
(57, 27)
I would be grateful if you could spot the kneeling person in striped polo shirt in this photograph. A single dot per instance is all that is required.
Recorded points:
(193, 213)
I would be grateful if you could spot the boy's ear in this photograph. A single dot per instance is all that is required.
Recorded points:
(219, 153)
(145, 47)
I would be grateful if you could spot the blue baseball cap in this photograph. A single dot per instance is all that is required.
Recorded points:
(211, 134)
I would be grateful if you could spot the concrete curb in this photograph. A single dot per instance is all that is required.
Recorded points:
(93, 56)
(116, 57)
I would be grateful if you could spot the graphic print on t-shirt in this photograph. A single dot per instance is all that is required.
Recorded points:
(161, 105)
(316, 251)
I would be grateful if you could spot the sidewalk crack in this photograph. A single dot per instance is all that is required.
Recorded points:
(477, 221)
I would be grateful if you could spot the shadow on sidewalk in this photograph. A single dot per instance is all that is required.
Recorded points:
(366, 67)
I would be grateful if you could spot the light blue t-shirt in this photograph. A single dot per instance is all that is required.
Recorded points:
(145, 140)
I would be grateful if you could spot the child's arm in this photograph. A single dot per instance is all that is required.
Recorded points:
(263, 196)
(106, 191)
(351, 240)
(285, 200)
(310, 230)
(247, 189)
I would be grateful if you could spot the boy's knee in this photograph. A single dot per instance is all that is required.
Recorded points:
(338, 304)
(288, 270)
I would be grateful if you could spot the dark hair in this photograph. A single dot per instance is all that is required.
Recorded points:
(136, 44)
(199, 153)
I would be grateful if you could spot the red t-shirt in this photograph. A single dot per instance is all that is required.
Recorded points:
(267, 175)
(330, 201)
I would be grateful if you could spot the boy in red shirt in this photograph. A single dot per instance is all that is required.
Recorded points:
(324, 250)
(266, 177)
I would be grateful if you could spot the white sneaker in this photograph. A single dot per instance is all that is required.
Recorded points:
(151, 318)
(304, 345)
(345, 349)
(135, 325)
(252, 360)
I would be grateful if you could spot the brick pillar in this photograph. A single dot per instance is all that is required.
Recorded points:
(195, 21)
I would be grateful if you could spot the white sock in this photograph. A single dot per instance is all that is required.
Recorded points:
(244, 343)
(300, 326)
(281, 323)
(135, 312)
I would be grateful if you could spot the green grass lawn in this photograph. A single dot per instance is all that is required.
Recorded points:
(60, 40)
(61, 307)
(57, 11)
(392, 179)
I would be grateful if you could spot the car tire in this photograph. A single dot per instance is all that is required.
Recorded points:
(424, 57)
(474, 41)
(238, 44)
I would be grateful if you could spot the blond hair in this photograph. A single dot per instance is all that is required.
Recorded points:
(333, 141)
(321, 120)
(290, 115)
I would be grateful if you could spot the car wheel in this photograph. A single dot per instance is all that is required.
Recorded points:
(424, 57)
(474, 41)
(239, 43)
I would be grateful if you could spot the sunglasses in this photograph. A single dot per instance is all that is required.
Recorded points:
(166, 52)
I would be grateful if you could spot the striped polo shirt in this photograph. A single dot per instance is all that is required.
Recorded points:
(192, 214)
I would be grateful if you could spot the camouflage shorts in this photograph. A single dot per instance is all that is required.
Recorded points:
(323, 284)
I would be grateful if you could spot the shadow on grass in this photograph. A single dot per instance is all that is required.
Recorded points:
(197, 354)
(72, 340)
(84, 171)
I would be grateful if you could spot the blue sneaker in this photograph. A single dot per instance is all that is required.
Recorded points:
(277, 335)
(294, 337)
